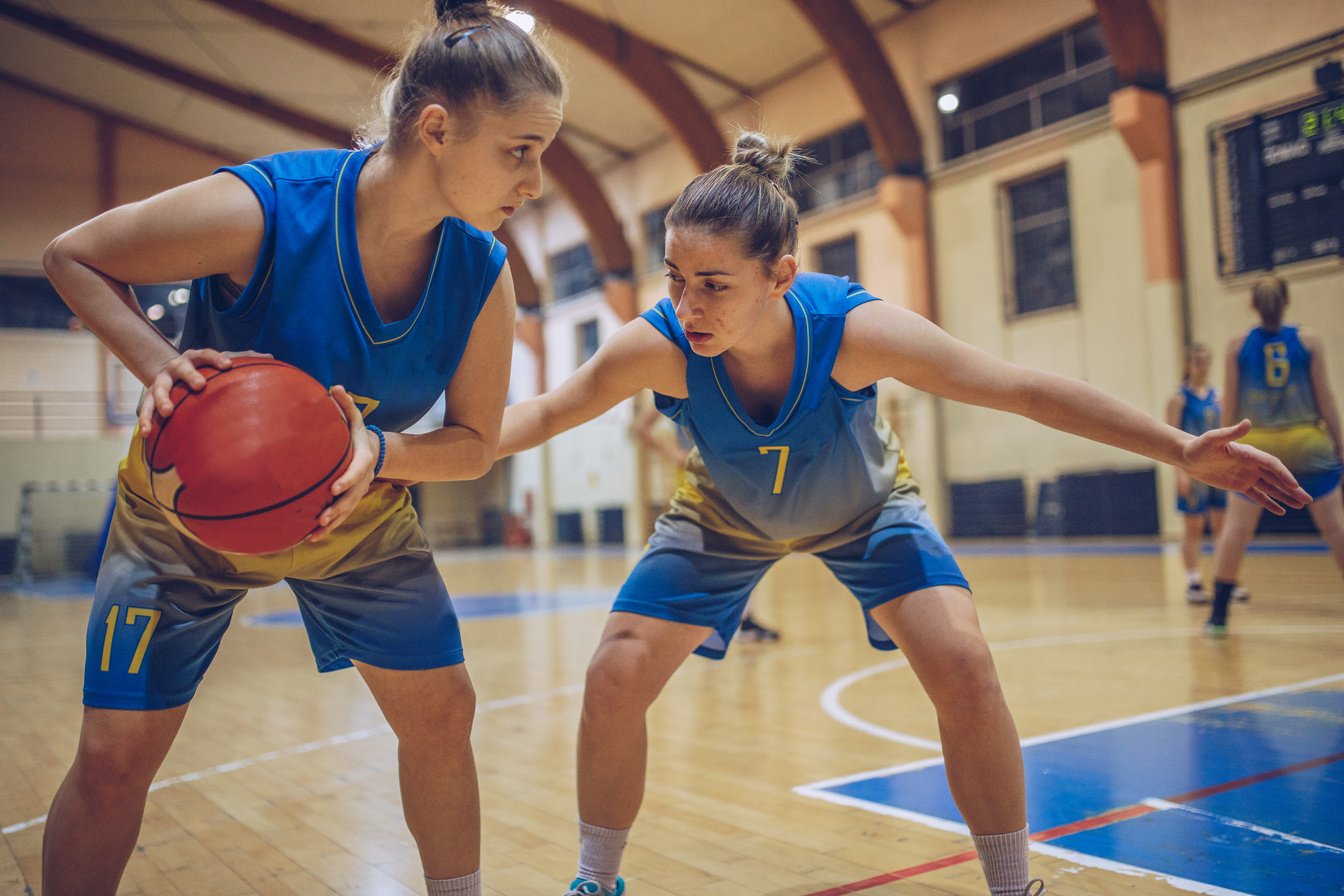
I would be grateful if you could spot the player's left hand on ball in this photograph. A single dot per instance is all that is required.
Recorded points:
(354, 483)
(1217, 458)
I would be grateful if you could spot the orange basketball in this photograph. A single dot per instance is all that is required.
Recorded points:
(246, 464)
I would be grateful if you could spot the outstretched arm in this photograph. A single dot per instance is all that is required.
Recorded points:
(1175, 410)
(886, 340)
(635, 357)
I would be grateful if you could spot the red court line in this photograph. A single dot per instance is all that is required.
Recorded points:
(890, 876)
(1086, 824)
(1255, 779)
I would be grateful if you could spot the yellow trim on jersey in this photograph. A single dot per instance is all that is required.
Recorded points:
(750, 425)
(345, 280)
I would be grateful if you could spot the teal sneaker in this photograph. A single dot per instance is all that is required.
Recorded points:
(581, 887)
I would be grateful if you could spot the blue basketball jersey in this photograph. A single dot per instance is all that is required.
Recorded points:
(1275, 379)
(307, 302)
(1199, 414)
(822, 461)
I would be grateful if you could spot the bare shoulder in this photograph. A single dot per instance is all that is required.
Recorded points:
(876, 333)
(1313, 342)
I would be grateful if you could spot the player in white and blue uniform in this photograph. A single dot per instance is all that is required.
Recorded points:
(374, 270)
(774, 375)
(1276, 378)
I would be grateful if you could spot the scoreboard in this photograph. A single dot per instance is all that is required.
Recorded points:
(1279, 187)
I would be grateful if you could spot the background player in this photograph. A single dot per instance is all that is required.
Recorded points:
(773, 372)
(1276, 377)
(372, 269)
(1194, 409)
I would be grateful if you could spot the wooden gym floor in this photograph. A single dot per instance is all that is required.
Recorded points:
(1159, 761)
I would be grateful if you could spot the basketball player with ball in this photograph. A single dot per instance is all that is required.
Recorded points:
(372, 272)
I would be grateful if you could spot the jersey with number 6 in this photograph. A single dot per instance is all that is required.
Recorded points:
(825, 459)
(1275, 379)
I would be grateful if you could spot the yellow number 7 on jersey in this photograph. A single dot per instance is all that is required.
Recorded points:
(783, 462)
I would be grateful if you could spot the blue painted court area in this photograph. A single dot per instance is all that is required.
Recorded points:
(478, 606)
(1246, 796)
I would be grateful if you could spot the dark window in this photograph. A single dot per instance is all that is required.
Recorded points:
(1040, 243)
(842, 164)
(573, 272)
(839, 257)
(32, 303)
(1053, 80)
(654, 237)
(586, 339)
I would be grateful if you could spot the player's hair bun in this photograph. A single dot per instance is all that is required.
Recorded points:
(771, 158)
(448, 9)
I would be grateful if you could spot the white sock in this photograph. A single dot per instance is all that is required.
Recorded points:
(600, 853)
(1004, 858)
(1192, 577)
(455, 886)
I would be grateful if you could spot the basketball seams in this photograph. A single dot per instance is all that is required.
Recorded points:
(326, 477)
(294, 506)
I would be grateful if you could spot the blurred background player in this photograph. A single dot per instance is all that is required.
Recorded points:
(1194, 408)
(1276, 377)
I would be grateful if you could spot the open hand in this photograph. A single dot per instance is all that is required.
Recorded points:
(1217, 458)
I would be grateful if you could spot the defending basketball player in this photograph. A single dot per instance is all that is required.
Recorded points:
(374, 271)
(773, 373)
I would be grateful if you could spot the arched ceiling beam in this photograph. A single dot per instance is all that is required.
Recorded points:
(225, 155)
(611, 251)
(311, 31)
(167, 71)
(525, 290)
(560, 161)
(1134, 37)
(645, 66)
(886, 113)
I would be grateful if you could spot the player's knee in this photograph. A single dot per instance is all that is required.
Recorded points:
(441, 716)
(108, 773)
(964, 676)
(615, 682)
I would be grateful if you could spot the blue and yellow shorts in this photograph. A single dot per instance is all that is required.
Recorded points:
(1202, 499)
(1306, 450)
(369, 592)
(703, 561)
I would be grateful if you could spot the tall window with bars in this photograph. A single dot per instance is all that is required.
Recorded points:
(573, 273)
(1039, 243)
(1065, 75)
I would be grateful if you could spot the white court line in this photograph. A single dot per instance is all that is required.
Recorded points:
(335, 740)
(819, 790)
(1167, 805)
(832, 706)
(1180, 883)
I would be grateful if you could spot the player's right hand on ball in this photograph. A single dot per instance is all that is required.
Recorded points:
(183, 368)
(354, 483)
